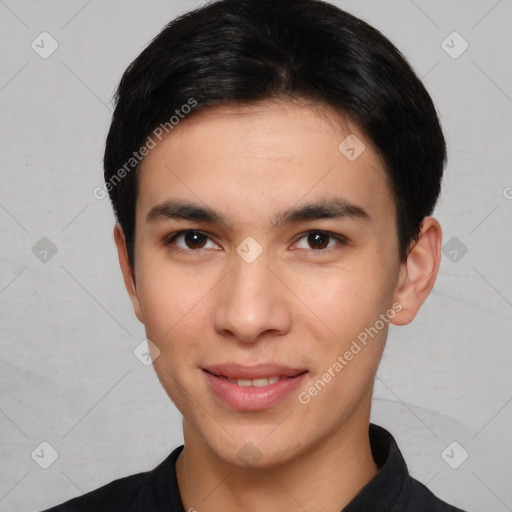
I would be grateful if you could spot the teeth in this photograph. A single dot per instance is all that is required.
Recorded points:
(257, 383)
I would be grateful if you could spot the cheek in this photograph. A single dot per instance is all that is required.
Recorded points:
(174, 319)
(176, 303)
(349, 303)
(167, 293)
(342, 300)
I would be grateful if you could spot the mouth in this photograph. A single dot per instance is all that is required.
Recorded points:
(257, 383)
(253, 388)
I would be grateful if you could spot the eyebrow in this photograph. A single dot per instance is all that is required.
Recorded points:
(336, 208)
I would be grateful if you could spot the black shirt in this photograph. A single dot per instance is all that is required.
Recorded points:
(392, 489)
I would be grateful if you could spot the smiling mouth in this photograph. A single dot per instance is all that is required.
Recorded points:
(253, 388)
(257, 383)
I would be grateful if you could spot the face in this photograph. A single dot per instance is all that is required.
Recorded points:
(263, 251)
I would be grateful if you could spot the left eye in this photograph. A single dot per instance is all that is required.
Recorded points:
(320, 240)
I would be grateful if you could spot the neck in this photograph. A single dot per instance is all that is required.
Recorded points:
(325, 478)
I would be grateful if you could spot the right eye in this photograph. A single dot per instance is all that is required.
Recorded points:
(189, 241)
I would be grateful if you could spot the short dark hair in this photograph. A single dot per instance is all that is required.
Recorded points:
(247, 51)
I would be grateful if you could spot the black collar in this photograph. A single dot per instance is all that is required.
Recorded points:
(391, 490)
(391, 486)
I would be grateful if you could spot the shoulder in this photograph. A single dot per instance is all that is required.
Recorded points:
(129, 493)
(421, 499)
(118, 495)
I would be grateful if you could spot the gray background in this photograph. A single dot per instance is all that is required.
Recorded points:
(68, 375)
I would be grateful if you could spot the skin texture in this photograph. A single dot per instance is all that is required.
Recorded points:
(295, 304)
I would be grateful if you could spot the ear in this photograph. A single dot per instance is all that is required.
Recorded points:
(418, 273)
(129, 278)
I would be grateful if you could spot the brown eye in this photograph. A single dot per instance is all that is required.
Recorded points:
(191, 241)
(320, 241)
(194, 240)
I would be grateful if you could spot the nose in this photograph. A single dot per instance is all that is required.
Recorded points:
(252, 302)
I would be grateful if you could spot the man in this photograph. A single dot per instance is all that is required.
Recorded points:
(273, 167)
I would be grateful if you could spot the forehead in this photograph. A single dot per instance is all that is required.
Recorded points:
(261, 157)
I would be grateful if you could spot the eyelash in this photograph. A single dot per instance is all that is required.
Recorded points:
(169, 240)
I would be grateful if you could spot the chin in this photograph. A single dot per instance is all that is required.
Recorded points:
(249, 453)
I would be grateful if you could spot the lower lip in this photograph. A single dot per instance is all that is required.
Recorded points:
(250, 398)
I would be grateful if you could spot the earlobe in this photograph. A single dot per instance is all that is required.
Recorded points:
(128, 277)
(418, 273)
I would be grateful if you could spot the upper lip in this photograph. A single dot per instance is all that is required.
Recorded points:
(237, 371)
